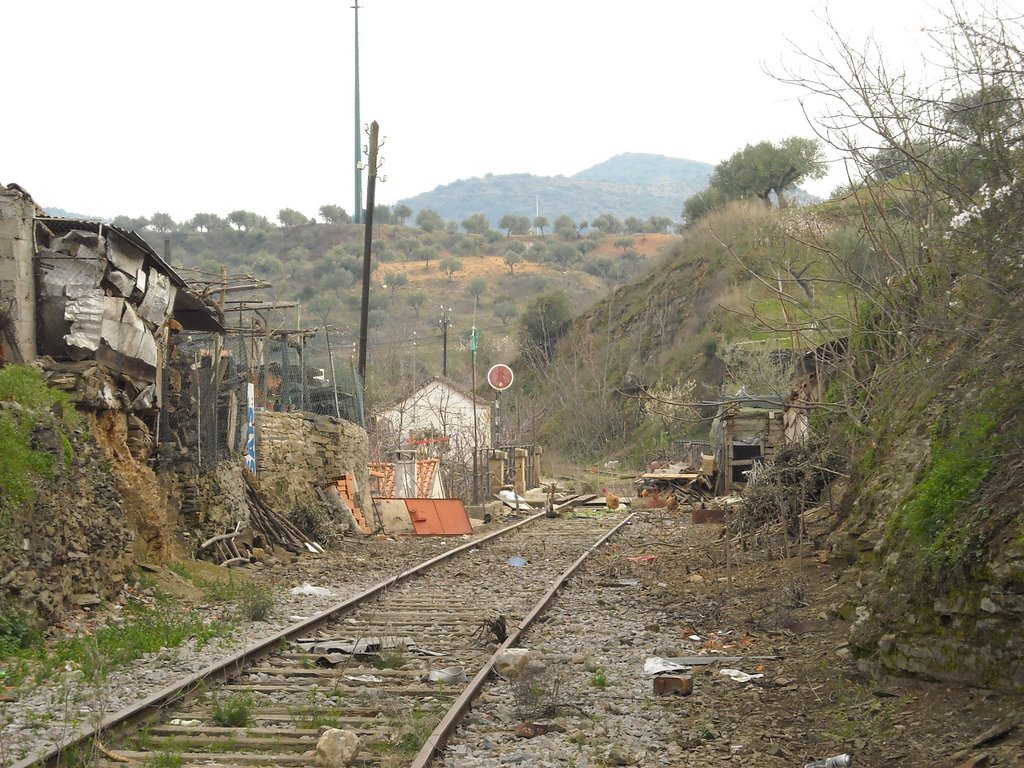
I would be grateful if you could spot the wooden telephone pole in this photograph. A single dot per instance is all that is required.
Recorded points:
(364, 315)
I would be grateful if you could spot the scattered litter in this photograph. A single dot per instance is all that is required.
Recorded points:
(334, 652)
(365, 678)
(296, 617)
(655, 665)
(738, 675)
(695, 638)
(514, 500)
(309, 589)
(517, 562)
(448, 675)
(188, 723)
(423, 651)
(836, 761)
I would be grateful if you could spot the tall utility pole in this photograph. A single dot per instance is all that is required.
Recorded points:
(476, 434)
(364, 315)
(358, 214)
(444, 324)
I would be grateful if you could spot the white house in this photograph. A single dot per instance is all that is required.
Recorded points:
(437, 420)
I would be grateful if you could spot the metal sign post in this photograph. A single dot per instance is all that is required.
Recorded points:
(500, 377)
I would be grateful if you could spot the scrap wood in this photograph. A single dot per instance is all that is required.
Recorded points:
(223, 536)
(275, 526)
(224, 546)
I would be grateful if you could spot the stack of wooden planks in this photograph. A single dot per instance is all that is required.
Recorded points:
(275, 527)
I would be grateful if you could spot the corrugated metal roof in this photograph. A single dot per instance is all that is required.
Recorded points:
(192, 313)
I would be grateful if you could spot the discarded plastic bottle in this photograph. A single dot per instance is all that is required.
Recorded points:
(836, 761)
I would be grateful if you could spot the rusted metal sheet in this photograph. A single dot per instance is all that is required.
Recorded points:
(439, 517)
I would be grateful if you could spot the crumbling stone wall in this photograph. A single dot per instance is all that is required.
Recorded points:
(968, 633)
(220, 502)
(296, 451)
(73, 546)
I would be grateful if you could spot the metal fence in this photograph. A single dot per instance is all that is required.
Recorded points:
(204, 407)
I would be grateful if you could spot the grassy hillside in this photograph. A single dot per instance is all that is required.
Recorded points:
(319, 266)
(719, 303)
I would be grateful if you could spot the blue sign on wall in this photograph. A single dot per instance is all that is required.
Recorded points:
(250, 430)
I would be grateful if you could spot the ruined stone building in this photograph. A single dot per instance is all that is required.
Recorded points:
(111, 323)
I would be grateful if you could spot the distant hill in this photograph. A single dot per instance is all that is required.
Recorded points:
(630, 184)
(70, 215)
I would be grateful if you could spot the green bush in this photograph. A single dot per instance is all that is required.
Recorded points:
(234, 712)
(16, 633)
(256, 602)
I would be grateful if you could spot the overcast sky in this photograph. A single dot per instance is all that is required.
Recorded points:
(136, 107)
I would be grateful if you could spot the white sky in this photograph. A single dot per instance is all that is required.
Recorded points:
(132, 107)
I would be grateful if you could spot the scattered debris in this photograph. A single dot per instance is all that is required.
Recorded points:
(224, 547)
(676, 482)
(518, 562)
(673, 685)
(656, 665)
(513, 500)
(498, 628)
(994, 734)
(642, 558)
(739, 676)
(337, 651)
(309, 589)
(276, 528)
(529, 730)
(114, 757)
(836, 761)
(447, 675)
(511, 662)
(365, 678)
(620, 583)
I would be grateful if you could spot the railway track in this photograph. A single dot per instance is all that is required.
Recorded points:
(398, 664)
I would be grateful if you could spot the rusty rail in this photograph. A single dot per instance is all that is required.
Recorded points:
(437, 740)
(153, 704)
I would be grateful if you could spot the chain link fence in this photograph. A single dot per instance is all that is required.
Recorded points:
(204, 407)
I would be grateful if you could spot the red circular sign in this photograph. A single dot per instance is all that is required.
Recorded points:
(500, 377)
